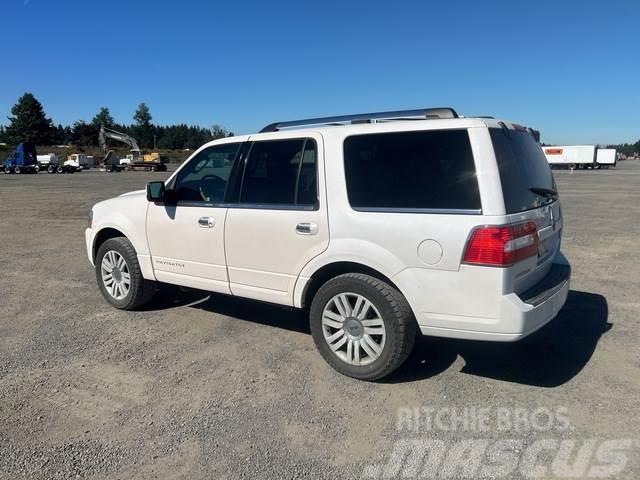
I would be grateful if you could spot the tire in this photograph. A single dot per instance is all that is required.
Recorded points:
(17, 169)
(7, 170)
(51, 169)
(139, 291)
(388, 313)
(36, 169)
(60, 169)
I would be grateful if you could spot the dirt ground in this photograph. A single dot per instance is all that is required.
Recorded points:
(207, 386)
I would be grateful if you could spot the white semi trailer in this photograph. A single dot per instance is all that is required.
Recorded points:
(571, 156)
(607, 157)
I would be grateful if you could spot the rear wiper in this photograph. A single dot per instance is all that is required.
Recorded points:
(545, 192)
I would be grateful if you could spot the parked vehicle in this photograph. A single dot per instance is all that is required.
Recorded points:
(23, 159)
(80, 161)
(571, 156)
(45, 160)
(607, 157)
(64, 168)
(136, 160)
(381, 225)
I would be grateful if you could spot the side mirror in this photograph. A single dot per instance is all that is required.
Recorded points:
(155, 191)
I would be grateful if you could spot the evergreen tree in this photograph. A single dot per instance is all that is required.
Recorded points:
(143, 130)
(103, 118)
(29, 123)
(85, 134)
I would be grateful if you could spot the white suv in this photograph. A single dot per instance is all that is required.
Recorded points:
(380, 224)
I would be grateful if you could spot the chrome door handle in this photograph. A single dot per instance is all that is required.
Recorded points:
(307, 228)
(206, 222)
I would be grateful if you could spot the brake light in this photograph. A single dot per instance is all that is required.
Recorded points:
(502, 246)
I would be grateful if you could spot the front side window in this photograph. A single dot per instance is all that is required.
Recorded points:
(204, 179)
(281, 172)
(411, 170)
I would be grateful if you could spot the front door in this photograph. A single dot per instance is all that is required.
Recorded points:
(186, 237)
(280, 221)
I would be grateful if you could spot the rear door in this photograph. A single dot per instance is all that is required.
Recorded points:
(280, 221)
(528, 190)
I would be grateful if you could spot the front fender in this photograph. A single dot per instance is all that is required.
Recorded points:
(126, 214)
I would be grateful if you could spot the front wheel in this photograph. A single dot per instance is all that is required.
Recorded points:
(119, 276)
(363, 327)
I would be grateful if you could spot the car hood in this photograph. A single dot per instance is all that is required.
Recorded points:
(134, 193)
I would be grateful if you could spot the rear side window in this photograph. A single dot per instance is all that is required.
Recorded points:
(281, 172)
(411, 170)
(522, 166)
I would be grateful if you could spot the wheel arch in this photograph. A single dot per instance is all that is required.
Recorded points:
(332, 270)
(102, 236)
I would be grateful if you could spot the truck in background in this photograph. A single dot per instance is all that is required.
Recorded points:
(607, 157)
(136, 160)
(80, 161)
(571, 156)
(23, 159)
(44, 161)
(580, 156)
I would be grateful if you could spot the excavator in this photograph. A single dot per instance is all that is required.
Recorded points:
(136, 160)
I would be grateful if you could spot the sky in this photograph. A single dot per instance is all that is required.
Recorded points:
(568, 68)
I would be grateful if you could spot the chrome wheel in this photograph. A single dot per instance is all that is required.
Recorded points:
(115, 274)
(353, 329)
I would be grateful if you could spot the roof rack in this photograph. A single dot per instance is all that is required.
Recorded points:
(419, 114)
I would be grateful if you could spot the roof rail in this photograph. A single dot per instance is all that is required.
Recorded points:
(419, 114)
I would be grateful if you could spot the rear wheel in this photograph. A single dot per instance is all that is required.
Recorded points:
(363, 327)
(17, 169)
(119, 276)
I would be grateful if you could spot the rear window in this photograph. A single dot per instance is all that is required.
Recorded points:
(522, 166)
(411, 170)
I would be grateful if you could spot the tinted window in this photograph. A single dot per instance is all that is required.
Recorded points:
(281, 172)
(522, 166)
(205, 177)
(411, 170)
(308, 179)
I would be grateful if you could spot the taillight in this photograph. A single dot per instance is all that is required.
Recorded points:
(502, 246)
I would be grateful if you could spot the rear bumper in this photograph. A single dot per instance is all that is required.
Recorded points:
(519, 315)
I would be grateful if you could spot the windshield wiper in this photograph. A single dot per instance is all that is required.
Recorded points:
(545, 192)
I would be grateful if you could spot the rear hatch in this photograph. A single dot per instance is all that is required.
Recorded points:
(530, 195)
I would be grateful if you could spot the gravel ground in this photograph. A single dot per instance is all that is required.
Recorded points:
(207, 386)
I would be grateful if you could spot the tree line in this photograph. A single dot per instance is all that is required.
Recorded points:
(29, 123)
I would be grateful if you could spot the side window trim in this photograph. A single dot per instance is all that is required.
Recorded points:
(295, 191)
(244, 162)
(232, 195)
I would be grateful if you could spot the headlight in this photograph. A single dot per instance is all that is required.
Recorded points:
(90, 218)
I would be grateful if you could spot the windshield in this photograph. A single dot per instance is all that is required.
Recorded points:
(525, 175)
